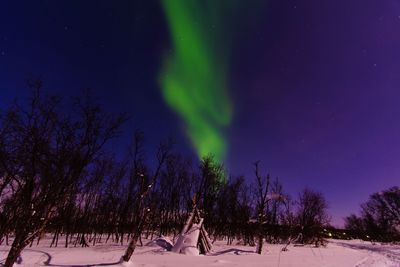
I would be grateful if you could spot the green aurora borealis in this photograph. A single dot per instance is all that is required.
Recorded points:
(194, 74)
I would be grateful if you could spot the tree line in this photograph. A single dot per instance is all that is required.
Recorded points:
(379, 219)
(57, 176)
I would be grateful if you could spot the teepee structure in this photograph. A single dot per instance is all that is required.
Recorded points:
(193, 239)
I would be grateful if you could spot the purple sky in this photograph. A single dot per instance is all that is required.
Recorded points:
(315, 84)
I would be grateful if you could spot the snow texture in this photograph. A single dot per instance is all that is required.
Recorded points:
(354, 253)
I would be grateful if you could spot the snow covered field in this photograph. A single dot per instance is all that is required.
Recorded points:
(338, 253)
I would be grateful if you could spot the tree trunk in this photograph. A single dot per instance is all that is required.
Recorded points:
(66, 239)
(21, 240)
(94, 239)
(260, 244)
(54, 238)
(131, 247)
(16, 249)
(137, 233)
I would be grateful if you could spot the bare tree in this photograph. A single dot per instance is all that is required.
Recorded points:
(262, 191)
(147, 184)
(232, 209)
(52, 153)
(312, 216)
(380, 217)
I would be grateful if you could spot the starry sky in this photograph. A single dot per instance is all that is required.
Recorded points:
(310, 88)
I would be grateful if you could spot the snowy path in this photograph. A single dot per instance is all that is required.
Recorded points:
(338, 253)
(376, 252)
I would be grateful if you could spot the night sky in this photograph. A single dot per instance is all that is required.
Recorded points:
(310, 88)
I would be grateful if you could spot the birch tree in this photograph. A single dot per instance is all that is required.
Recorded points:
(52, 152)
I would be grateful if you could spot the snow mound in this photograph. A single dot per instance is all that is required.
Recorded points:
(163, 242)
(128, 264)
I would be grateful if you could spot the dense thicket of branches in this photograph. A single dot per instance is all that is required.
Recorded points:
(312, 216)
(56, 177)
(380, 217)
(45, 157)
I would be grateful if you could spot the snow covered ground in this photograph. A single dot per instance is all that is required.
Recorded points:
(338, 253)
